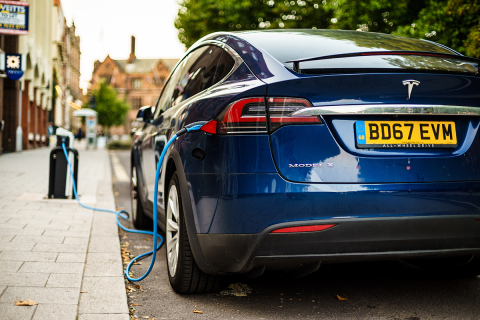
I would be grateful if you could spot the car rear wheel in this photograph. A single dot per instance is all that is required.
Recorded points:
(139, 218)
(183, 272)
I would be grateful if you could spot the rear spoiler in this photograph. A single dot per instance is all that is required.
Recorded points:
(296, 63)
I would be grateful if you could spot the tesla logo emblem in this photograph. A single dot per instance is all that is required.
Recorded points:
(410, 84)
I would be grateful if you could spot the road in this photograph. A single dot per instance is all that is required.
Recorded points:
(381, 290)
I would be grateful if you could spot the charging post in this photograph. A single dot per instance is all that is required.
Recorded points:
(57, 182)
(91, 125)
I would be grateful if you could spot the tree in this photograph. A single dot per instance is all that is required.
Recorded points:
(374, 15)
(455, 23)
(111, 110)
(197, 18)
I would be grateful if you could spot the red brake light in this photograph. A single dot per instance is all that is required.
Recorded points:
(319, 227)
(210, 127)
(249, 115)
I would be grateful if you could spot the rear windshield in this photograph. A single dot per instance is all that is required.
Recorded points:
(286, 45)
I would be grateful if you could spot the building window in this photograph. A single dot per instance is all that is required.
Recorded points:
(136, 103)
(136, 82)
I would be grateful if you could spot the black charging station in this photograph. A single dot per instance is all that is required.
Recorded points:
(59, 169)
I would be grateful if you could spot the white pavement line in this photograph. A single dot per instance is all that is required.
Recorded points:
(120, 172)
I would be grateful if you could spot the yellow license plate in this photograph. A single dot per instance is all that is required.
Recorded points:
(405, 134)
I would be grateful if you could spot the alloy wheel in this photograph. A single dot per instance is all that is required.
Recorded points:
(133, 193)
(172, 230)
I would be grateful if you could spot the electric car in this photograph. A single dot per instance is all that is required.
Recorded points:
(318, 147)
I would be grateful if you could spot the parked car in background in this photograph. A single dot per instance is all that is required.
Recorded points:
(322, 146)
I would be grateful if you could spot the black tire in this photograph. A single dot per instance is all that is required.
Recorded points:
(139, 218)
(183, 272)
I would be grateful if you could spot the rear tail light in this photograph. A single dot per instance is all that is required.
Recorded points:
(319, 227)
(243, 116)
(249, 116)
(281, 109)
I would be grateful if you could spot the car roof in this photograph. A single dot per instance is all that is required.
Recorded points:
(294, 44)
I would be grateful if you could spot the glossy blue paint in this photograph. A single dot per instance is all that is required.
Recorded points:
(230, 154)
(249, 203)
(314, 144)
(380, 88)
(245, 183)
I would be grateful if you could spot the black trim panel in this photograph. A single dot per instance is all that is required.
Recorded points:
(351, 240)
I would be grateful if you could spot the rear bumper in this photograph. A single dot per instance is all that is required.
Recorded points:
(351, 240)
(230, 217)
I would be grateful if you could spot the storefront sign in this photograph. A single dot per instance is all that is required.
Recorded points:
(13, 17)
(13, 65)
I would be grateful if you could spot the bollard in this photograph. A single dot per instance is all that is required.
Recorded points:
(59, 169)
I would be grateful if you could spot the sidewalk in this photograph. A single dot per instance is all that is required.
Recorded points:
(55, 252)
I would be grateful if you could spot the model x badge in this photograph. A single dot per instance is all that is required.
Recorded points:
(410, 84)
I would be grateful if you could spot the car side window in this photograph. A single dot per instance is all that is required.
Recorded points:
(198, 76)
(223, 64)
(210, 67)
(200, 70)
(190, 67)
(165, 100)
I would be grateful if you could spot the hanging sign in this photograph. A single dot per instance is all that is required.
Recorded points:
(13, 17)
(13, 63)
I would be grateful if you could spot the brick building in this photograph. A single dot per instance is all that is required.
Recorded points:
(27, 105)
(9, 91)
(70, 83)
(139, 81)
(26, 101)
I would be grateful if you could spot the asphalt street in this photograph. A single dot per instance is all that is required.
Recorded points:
(380, 290)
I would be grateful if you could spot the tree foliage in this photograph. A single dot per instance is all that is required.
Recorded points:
(111, 110)
(455, 23)
(197, 18)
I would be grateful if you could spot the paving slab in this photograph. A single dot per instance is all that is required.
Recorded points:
(11, 266)
(9, 311)
(8, 255)
(104, 317)
(100, 257)
(98, 300)
(60, 247)
(71, 257)
(16, 246)
(41, 295)
(6, 237)
(104, 269)
(23, 280)
(37, 239)
(44, 242)
(59, 280)
(52, 267)
(27, 232)
(56, 233)
(104, 244)
(75, 240)
(55, 312)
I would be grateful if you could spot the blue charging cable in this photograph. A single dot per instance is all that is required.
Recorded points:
(125, 215)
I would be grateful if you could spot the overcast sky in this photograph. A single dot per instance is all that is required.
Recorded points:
(105, 27)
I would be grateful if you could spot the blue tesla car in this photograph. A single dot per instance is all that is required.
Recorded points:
(320, 147)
